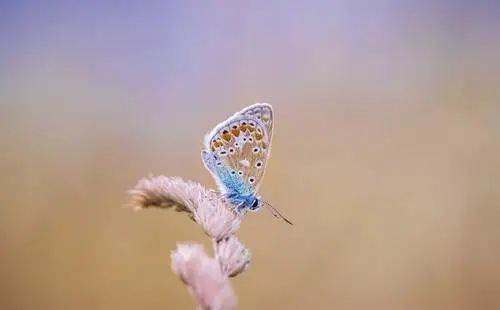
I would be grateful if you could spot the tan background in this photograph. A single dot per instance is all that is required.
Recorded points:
(386, 152)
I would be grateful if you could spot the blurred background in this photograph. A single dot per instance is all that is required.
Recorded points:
(386, 151)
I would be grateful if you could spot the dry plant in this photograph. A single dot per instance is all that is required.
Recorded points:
(207, 278)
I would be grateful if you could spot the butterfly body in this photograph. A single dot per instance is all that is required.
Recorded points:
(236, 154)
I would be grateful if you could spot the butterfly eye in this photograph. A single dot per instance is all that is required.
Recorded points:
(258, 164)
(223, 153)
(234, 126)
(236, 144)
(244, 140)
(244, 123)
(251, 180)
(219, 163)
(250, 139)
(233, 172)
(259, 130)
(231, 150)
(240, 172)
(252, 124)
(256, 149)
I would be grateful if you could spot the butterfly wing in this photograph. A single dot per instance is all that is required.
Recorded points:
(237, 150)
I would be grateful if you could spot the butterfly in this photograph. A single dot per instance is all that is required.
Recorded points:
(236, 154)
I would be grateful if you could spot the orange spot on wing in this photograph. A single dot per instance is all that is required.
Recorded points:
(243, 128)
(235, 132)
(226, 136)
(257, 136)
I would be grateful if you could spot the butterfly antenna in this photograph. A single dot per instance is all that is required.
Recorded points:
(275, 212)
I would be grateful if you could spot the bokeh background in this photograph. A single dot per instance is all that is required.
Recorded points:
(386, 151)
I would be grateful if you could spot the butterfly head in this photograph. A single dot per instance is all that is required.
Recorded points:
(244, 203)
(256, 204)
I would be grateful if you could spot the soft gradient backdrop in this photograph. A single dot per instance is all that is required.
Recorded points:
(386, 151)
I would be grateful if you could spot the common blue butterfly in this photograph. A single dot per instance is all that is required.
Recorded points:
(236, 154)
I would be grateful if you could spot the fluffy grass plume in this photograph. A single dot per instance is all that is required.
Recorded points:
(207, 278)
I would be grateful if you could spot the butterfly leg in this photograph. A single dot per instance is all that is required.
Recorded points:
(241, 208)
